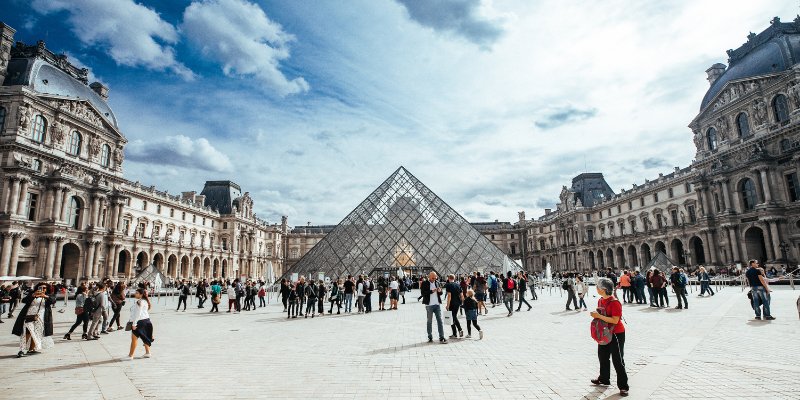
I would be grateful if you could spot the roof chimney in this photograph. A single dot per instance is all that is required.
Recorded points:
(6, 41)
(100, 89)
(714, 72)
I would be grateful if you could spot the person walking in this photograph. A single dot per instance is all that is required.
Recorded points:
(679, 281)
(336, 297)
(141, 327)
(216, 294)
(117, 302)
(294, 302)
(34, 324)
(759, 290)
(453, 304)
(369, 287)
(98, 302)
(183, 290)
(262, 293)
(609, 310)
(581, 289)
(231, 292)
(311, 299)
(321, 292)
(705, 282)
(349, 287)
(472, 309)
(361, 292)
(569, 286)
(432, 299)
(285, 289)
(508, 293)
(522, 288)
(81, 314)
(200, 293)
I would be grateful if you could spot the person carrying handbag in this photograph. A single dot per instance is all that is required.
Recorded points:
(609, 311)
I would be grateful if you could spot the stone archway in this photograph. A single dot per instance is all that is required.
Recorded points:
(71, 262)
(646, 255)
(123, 263)
(184, 270)
(755, 245)
(206, 268)
(172, 266)
(620, 261)
(633, 257)
(195, 268)
(698, 254)
(158, 261)
(142, 261)
(215, 270)
(591, 261)
(224, 268)
(610, 258)
(676, 251)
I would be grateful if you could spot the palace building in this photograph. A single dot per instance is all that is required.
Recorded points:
(67, 212)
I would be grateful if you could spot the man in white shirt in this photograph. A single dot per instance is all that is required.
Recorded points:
(432, 298)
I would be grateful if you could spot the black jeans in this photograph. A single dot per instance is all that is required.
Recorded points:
(181, 299)
(115, 308)
(680, 293)
(469, 326)
(368, 303)
(616, 351)
(214, 306)
(571, 299)
(522, 300)
(83, 318)
(261, 301)
(533, 294)
(338, 306)
(285, 301)
(662, 296)
(310, 306)
(200, 301)
(456, 326)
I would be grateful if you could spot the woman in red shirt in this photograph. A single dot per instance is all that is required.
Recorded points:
(609, 309)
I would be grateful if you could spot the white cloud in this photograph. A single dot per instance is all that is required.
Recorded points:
(240, 36)
(132, 34)
(179, 151)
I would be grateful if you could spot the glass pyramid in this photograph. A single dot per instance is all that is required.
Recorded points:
(401, 227)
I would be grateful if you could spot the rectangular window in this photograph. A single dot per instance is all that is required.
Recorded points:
(670, 193)
(141, 229)
(103, 217)
(194, 219)
(183, 215)
(692, 214)
(589, 235)
(172, 213)
(688, 188)
(144, 205)
(630, 205)
(659, 221)
(716, 202)
(641, 202)
(158, 209)
(588, 217)
(156, 231)
(655, 197)
(204, 221)
(32, 200)
(126, 226)
(619, 209)
(793, 187)
(674, 214)
(513, 249)
(224, 225)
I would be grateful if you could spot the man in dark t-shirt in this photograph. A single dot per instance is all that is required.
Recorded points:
(453, 302)
(759, 290)
(348, 294)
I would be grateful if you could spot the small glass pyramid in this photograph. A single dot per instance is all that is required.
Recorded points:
(401, 227)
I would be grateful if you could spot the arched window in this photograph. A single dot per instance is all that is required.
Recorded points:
(74, 143)
(711, 138)
(2, 118)
(105, 156)
(743, 124)
(780, 108)
(74, 212)
(748, 189)
(39, 128)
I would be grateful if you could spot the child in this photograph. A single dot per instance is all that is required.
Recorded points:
(470, 307)
(293, 306)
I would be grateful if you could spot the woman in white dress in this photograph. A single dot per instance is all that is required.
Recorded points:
(141, 328)
(34, 324)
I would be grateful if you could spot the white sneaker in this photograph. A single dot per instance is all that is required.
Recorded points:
(147, 355)
(469, 336)
(480, 335)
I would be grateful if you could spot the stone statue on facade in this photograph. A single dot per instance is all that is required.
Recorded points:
(94, 145)
(760, 111)
(57, 132)
(794, 94)
(24, 117)
(698, 140)
(118, 156)
(722, 128)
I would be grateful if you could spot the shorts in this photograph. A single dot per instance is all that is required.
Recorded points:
(393, 294)
(480, 296)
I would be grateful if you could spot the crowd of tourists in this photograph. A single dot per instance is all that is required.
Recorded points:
(303, 298)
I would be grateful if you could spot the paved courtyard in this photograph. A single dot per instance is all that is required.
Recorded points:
(714, 350)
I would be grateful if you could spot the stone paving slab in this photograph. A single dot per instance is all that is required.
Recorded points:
(713, 350)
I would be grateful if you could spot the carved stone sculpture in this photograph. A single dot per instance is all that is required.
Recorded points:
(57, 132)
(118, 156)
(94, 145)
(698, 140)
(24, 117)
(722, 128)
(794, 94)
(760, 111)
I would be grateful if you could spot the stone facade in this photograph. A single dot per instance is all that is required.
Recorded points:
(67, 212)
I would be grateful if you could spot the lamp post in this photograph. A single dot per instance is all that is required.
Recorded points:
(784, 249)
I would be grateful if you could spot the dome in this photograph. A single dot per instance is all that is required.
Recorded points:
(776, 49)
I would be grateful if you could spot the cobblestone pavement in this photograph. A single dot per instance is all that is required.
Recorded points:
(713, 350)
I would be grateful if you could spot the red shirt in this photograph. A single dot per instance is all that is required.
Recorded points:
(613, 308)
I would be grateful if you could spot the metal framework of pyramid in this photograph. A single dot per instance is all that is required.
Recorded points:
(661, 262)
(401, 226)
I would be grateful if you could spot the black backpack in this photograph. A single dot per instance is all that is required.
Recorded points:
(185, 290)
(565, 285)
(89, 305)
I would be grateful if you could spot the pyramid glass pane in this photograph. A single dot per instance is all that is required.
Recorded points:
(401, 225)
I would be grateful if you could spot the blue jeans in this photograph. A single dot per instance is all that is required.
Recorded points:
(705, 286)
(760, 298)
(348, 302)
(437, 310)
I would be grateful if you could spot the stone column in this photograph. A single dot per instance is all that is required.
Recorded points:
(64, 206)
(5, 254)
(49, 200)
(726, 201)
(14, 197)
(708, 201)
(119, 217)
(734, 242)
(51, 250)
(112, 218)
(87, 268)
(94, 212)
(766, 185)
(95, 260)
(115, 258)
(40, 269)
(727, 189)
(23, 192)
(7, 183)
(12, 267)
(57, 263)
(700, 200)
(709, 242)
(775, 243)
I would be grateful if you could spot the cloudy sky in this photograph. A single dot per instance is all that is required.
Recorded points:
(309, 105)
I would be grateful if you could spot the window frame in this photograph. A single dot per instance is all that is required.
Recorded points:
(743, 133)
(39, 128)
(74, 149)
(748, 194)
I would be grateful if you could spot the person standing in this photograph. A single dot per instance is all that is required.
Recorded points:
(678, 281)
(705, 282)
(651, 290)
(638, 287)
(349, 286)
(523, 287)
(508, 293)
(216, 294)
(569, 287)
(609, 310)
(453, 304)
(141, 327)
(581, 289)
(336, 297)
(231, 292)
(294, 302)
(311, 299)
(201, 294)
(369, 287)
(14, 296)
(403, 288)
(394, 293)
(34, 324)
(471, 309)
(759, 290)
(183, 290)
(285, 289)
(493, 286)
(432, 299)
(321, 292)
(660, 287)
(361, 292)
(625, 284)
(262, 293)
(480, 289)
